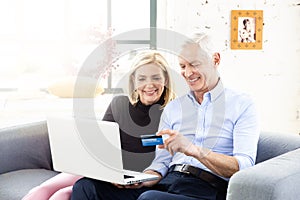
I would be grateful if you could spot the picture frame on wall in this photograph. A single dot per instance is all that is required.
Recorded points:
(246, 29)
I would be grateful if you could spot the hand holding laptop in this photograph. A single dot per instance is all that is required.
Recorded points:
(131, 186)
(141, 184)
(151, 183)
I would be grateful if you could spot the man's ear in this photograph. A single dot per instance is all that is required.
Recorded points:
(216, 59)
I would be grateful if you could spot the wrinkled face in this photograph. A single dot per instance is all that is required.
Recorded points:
(149, 82)
(197, 68)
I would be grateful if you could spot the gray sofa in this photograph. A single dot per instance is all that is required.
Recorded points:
(25, 159)
(25, 162)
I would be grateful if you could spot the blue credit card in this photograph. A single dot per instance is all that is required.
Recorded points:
(151, 140)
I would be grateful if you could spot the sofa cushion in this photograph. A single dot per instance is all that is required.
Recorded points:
(25, 147)
(271, 145)
(15, 185)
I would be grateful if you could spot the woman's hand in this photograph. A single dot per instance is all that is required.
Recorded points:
(131, 186)
(151, 183)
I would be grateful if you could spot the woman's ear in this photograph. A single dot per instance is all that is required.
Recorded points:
(166, 81)
(216, 59)
(132, 80)
(132, 77)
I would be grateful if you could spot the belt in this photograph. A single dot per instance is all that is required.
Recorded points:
(206, 176)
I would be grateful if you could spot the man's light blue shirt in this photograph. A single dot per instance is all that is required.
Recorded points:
(225, 122)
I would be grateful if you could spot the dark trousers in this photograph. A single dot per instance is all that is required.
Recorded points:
(175, 186)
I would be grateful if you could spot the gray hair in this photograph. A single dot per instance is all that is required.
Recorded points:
(204, 41)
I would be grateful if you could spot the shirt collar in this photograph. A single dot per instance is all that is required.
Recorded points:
(212, 95)
(217, 91)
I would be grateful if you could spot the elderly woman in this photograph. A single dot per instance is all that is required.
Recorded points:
(150, 90)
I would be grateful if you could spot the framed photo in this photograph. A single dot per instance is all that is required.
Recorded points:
(246, 29)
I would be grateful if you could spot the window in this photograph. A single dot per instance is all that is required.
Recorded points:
(42, 41)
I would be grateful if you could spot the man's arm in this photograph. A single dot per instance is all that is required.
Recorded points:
(160, 164)
(220, 164)
(245, 137)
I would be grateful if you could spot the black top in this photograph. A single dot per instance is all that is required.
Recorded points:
(134, 121)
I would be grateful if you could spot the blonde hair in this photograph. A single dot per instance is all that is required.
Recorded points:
(157, 59)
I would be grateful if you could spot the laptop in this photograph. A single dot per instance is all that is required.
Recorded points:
(90, 148)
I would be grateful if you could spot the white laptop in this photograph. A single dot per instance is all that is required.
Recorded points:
(90, 148)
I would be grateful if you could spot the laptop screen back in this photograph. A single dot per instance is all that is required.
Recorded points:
(86, 147)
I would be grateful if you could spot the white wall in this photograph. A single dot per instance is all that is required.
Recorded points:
(270, 75)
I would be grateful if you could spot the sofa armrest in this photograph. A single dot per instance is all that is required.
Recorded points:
(271, 144)
(277, 178)
(25, 147)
